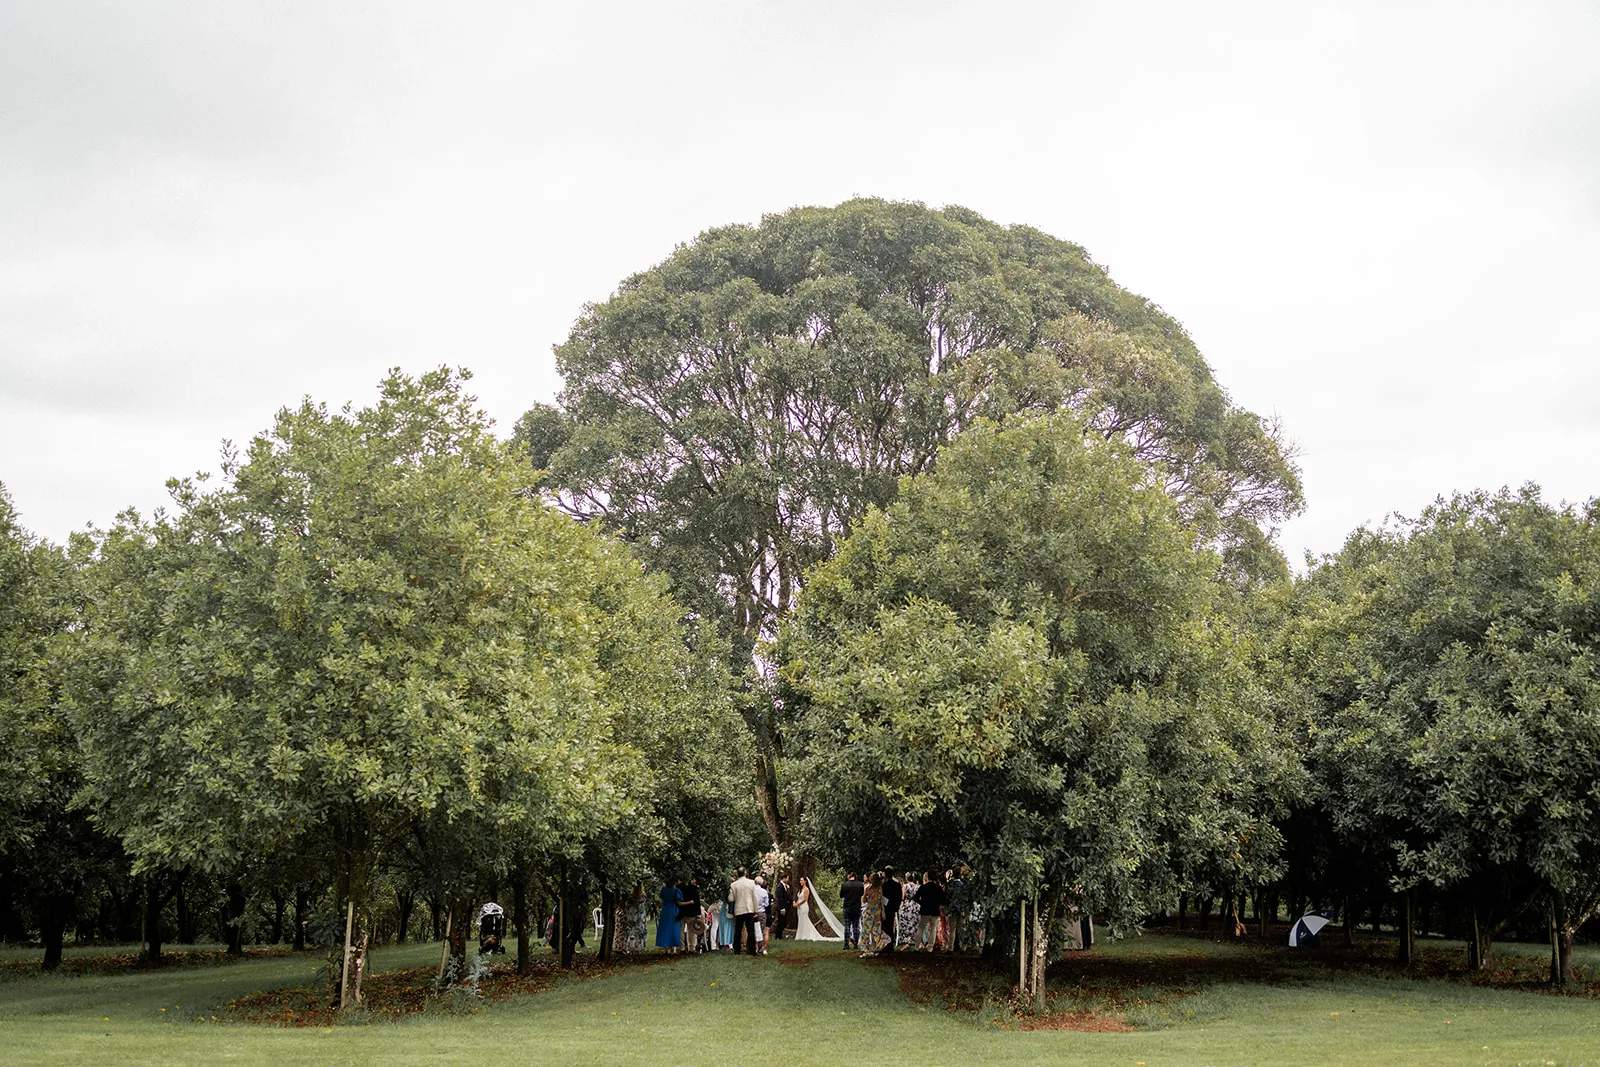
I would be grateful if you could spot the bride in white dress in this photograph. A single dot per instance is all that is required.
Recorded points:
(805, 929)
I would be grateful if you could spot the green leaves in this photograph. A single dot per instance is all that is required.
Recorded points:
(1025, 662)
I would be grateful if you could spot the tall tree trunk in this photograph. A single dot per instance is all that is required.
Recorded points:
(302, 907)
(520, 919)
(405, 901)
(460, 928)
(1565, 920)
(1183, 911)
(357, 932)
(55, 913)
(233, 918)
(608, 909)
(1408, 931)
(153, 899)
(436, 916)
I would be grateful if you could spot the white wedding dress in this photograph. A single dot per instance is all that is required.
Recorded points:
(806, 930)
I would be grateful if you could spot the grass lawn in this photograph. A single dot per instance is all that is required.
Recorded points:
(1196, 1003)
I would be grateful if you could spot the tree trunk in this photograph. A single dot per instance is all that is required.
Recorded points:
(1205, 911)
(233, 919)
(1183, 911)
(302, 905)
(436, 916)
(1349, 924)
(53, 928)
(1407, 931)
(608, 909)
(460, 927)
(1565, 921)
(405, 902)
(1482, 943)
(153, 900)
(520, 919)
(183, 913)
(766, 776)
(357, 934)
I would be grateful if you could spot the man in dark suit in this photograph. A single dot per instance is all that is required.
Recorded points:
(892, 895)
(782, 905)
(850, 902)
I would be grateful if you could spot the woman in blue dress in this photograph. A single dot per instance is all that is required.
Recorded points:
(668, 933)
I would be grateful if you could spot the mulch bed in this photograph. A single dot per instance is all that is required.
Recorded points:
(396, 994)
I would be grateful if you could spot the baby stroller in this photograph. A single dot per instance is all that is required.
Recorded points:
(491, 929)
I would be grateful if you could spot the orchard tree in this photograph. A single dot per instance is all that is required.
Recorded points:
(1025, 662)
(372, 624)
(733, 410)
(51, 856)
(1454, 704)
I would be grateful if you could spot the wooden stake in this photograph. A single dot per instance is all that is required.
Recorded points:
(344, 976)
(444, 951)
(1022, 945)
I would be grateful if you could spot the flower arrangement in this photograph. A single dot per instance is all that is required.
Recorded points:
(775, 861)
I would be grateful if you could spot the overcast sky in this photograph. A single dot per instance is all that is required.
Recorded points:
(1380, 221)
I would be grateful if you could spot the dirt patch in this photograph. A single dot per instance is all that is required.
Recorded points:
(396, 994)
(1088, 1022)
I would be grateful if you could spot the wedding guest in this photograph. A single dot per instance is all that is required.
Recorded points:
(872, 936)
(850, 895)
(930, 908)
(765, 910)
(744, 899)
(908, 912)
(668, 934)
(893, 893)
(689, 914)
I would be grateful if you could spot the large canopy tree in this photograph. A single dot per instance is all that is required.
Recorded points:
(1453, 703)
(373, 625)
(733, 410)
(1025, 662)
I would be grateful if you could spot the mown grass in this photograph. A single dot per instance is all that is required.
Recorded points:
(1203, 1003)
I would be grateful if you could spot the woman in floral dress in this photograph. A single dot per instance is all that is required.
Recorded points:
(634, 925)
(909, 913)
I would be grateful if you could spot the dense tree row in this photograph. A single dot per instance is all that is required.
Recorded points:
(371, 660)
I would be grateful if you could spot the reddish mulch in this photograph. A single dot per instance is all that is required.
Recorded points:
(395, 994)
(1088, 1022)
(127, 962)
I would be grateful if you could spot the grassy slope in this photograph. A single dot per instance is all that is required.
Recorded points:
(705, 1010)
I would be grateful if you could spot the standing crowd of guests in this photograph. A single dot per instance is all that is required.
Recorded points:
(880, 914)
(932, 914)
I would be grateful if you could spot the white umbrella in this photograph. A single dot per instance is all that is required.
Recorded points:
(1309, 925)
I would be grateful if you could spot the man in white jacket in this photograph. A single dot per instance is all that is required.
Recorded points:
(744, 898)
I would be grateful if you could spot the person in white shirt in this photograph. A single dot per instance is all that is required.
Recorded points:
(761, 911)
(746, 902)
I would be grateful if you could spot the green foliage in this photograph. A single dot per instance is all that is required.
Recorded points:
(36, 750)
(1025, 662)
(733, 410)
(372, 630)
(1453, 701)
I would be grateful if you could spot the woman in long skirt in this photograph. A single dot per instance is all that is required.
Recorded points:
(725, 926)
(634, 927)
(669, 935)
(873, 939)
(909, 914)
